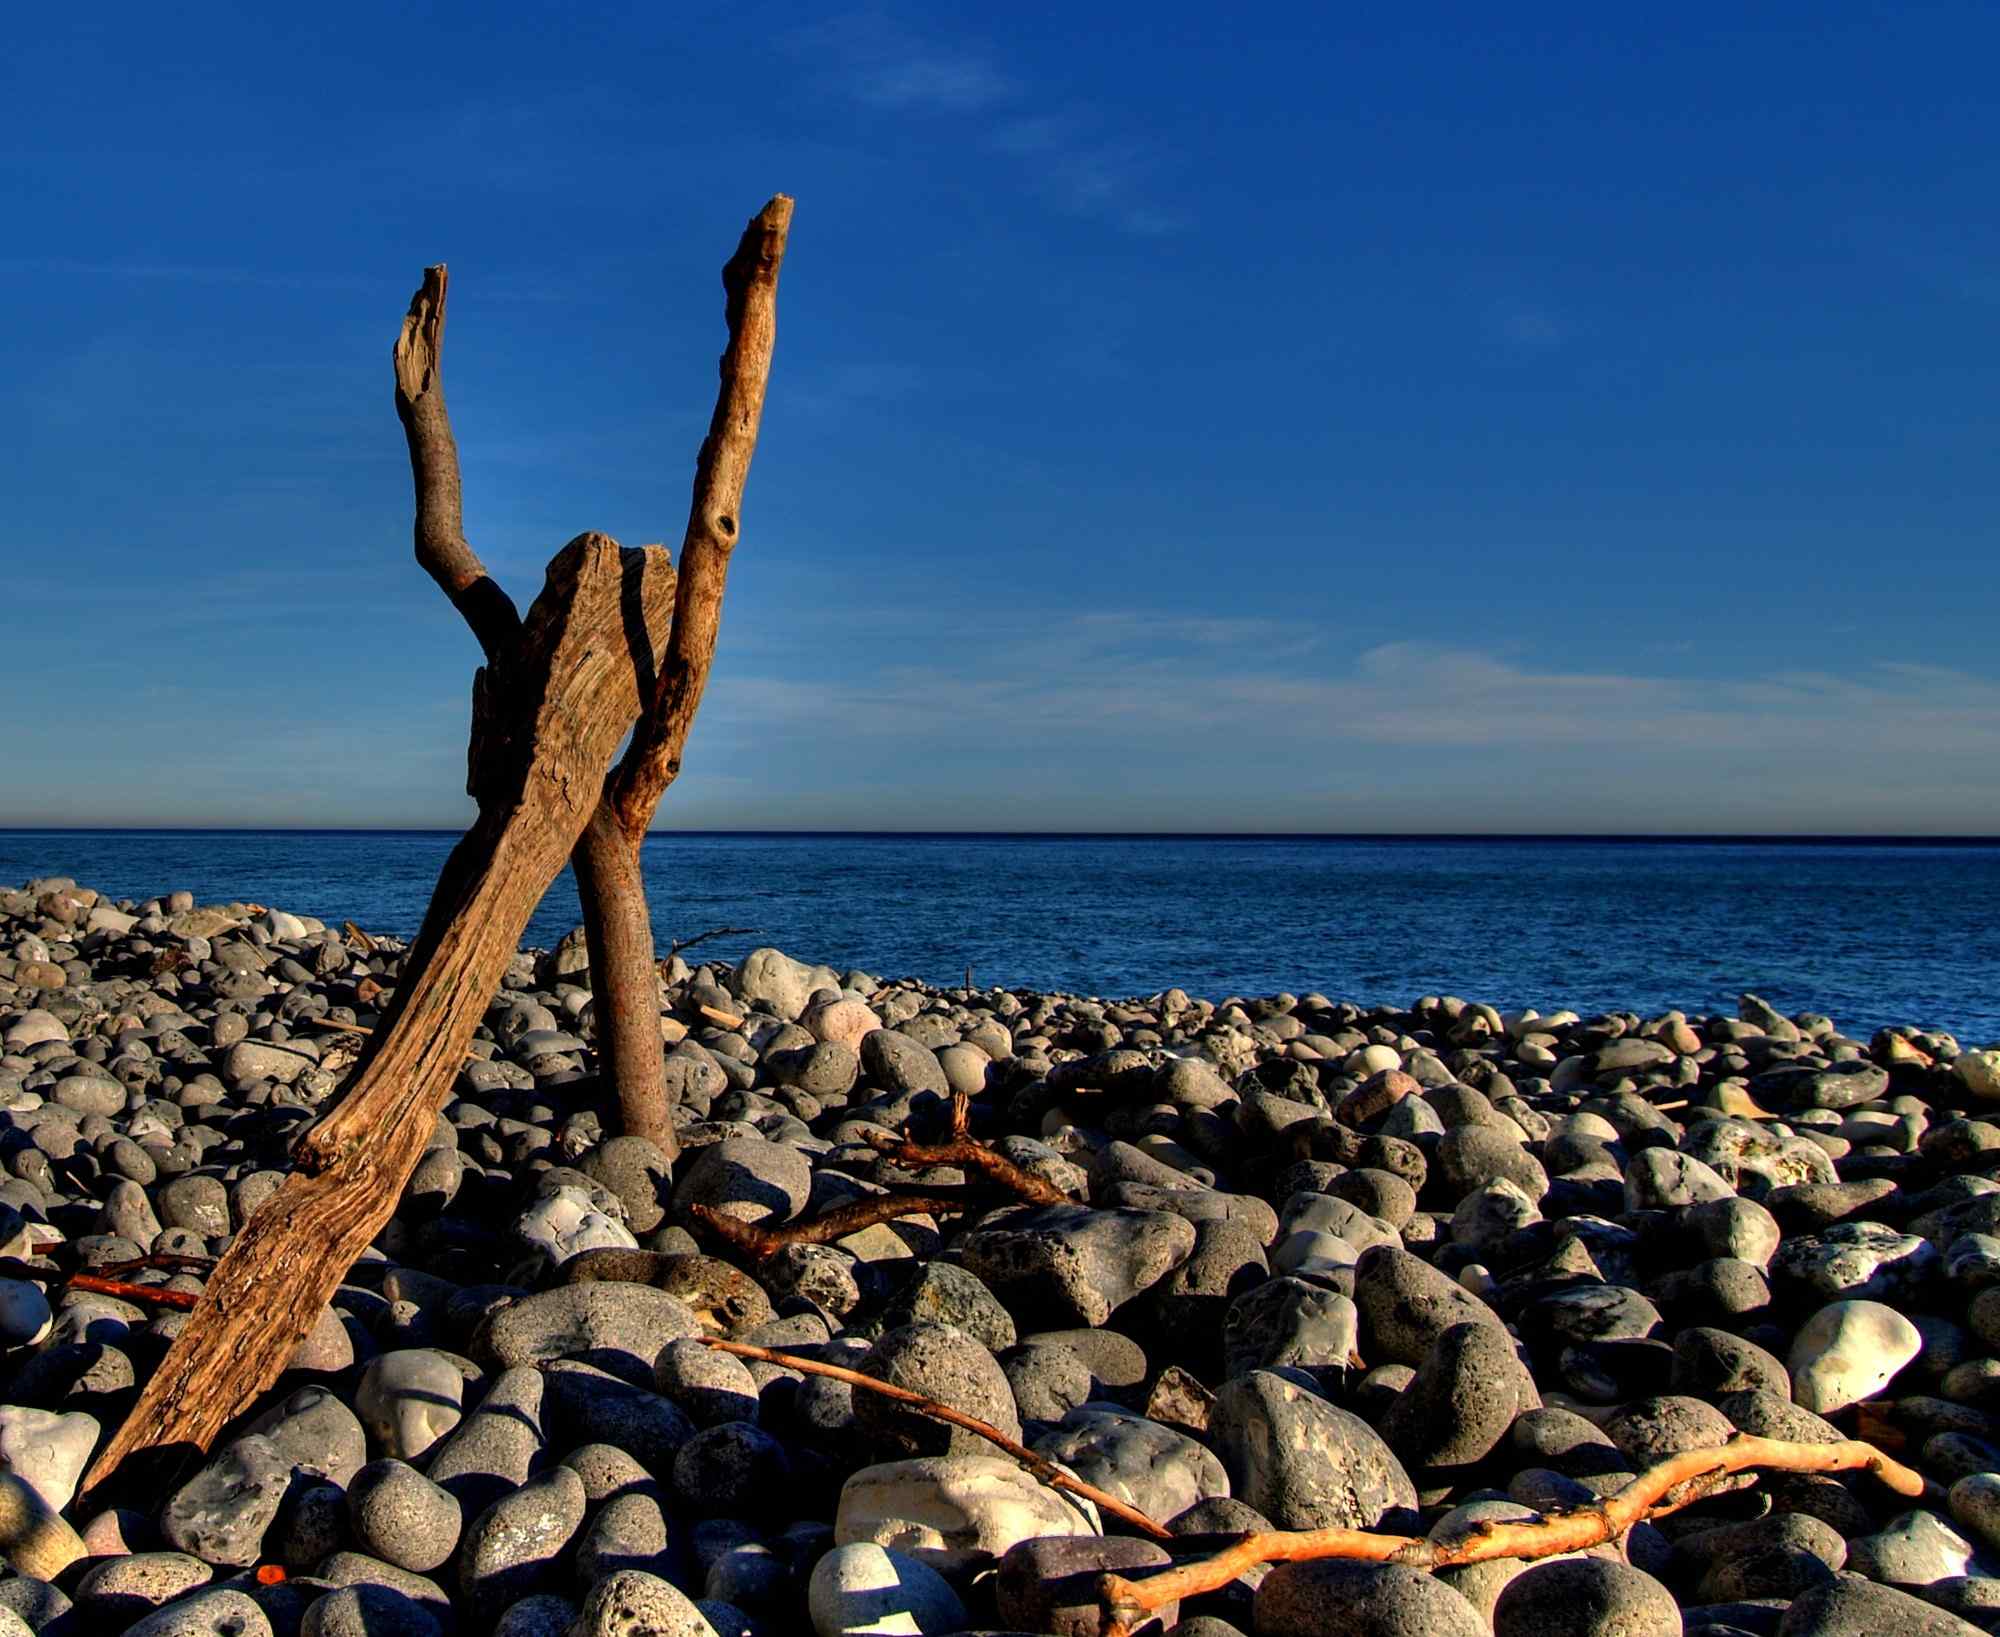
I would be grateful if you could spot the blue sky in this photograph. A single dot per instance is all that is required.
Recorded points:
(1304, 418)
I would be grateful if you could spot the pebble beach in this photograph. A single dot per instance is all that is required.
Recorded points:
(1412, 1267)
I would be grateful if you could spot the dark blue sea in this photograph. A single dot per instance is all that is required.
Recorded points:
(1868, 933)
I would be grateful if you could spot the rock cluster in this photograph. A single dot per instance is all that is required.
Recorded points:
(1407, 1270)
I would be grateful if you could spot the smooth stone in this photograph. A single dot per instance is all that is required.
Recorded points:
(565, 1222)
(632, 1603)
(954, 1512)
(710, 1386)
(629, 1531)
(402, 1517)
(132, 1585)
(409, 1399)
(1916, 1549)
(496, 1447)
(1975, 1504)
(1154, 1468)
(368, 1611)
(1848, 1351)
(513, 1549)
(24, 1313)
(316, 1433)
(865, 1590)
(1464, 1398)
(1070, 1264)
(1305, 1463)
(1850, 1606)
(1406, 1304)
(220, 1613)
(1313, 1599)
(46, 1449)
(1051, 1585)
(1585, 1597)
(222, 1513)
(745, 1177)
(943, 1364)
(731, 1469)
(617, 1327)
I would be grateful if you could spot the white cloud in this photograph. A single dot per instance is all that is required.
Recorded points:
(1071, 158)
(1119, 708)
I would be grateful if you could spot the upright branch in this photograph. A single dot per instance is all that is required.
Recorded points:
(750, 291)
(442, 548)
(618, 928)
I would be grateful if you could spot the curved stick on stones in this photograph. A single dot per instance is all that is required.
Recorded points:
(1040, 1465)
(963, 1149)
(1660, 1489)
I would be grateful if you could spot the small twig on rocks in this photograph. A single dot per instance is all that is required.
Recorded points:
(126, 1291)
(761, 1241)
(1040, 1465)
(355, 936)
(1666, 1487)
(963, 1149)
(678, 944)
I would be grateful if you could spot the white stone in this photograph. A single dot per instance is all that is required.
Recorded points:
(280, 925)
(864, 1590)
(563, 1222)
(33, 1028)
(46, 1451)
(1979, 1072)
(954, 1511)
(1849, 1351)
(106, 919)
(24, 1312)
(1367, 1060)
(845, 1020)
(772, 980)
(408, 1400)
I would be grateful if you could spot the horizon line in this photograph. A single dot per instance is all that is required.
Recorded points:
(1644, 837)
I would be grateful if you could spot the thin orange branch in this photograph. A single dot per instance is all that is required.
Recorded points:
(1040, 1465)
(1673, 1483)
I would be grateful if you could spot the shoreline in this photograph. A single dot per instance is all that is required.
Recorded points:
(1314, 1265)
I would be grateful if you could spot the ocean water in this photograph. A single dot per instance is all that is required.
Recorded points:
(1870, 934)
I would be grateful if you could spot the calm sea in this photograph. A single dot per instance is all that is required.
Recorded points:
(1867, 933)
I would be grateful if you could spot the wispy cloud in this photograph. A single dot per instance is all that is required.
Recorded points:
(1281, 710)
(1070, 156)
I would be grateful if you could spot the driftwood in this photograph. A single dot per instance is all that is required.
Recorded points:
(617, 927)
(961, 1148)
(679, 944)
(1040, 1465)
(1001, 1179)
(558, 692)
(548, 713)
(1675, 1482)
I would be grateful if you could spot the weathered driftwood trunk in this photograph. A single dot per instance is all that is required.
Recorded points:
(617, 923)
(557, 694)
(548, 717)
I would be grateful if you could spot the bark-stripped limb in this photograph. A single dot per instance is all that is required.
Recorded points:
(964, 1150)
(1672, 1484)
(617, 927)
(758, 1240)
(1040, 1465)
(442, 548)
(750, 306)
